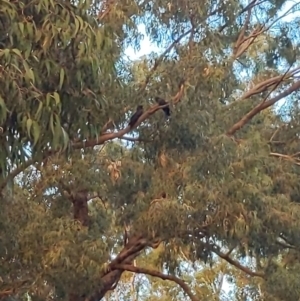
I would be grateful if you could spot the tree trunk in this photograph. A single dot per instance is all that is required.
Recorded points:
(110, 279)
(80, 207)
(81, 214)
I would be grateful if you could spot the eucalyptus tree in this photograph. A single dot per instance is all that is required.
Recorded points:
(172, 198)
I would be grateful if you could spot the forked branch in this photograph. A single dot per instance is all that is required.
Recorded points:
(274, 81)
(238, 265)
(154, 273)
(262, 106)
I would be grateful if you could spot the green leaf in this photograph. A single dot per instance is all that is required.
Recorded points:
(61, 78)
(6, 53)
(65, 139)
(27, 52)
(29, 29)
(57, 132)
(51, 125)
(48, 67)
(38, 113)
(17, 68)
(48, 100)
(99, 39)
(57, 98)
(29, 73)
(21, 27)
(28, 126)
(3, 110)
(52, 4)
(77, 26)
(81, 22)
(17, 52)
(36, 131)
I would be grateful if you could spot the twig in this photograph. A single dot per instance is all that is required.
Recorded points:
(132, 139)
(250, 5)
(161, 57)
(105, 9)
(241, 36)
(274, 134)
(286, 157)
(278, 83)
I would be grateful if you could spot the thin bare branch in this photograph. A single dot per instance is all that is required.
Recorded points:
(139, 270)
(105, 9)
(264, 85)
(262, 106)
(161, 57)
(282, 16)
(274, 134)
(132, 139)
(238, 265)
(286, 157)
(246, 42)
(245, 9)
(242, 33)
(277, 84)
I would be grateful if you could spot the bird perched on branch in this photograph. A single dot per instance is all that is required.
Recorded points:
(135, 117)
(162, 102)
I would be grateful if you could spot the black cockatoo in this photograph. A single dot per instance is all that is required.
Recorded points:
(162, 102)
(135, 117)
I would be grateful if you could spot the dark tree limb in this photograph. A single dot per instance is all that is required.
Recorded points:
(238, 265)
(110, 279)
(80, 206)
(139, 270)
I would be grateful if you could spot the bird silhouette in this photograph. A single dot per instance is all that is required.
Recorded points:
(162, 102)
(135, 117)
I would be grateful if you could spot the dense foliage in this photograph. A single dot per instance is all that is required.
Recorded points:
(206, 199)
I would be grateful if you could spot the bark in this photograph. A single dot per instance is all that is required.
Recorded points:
(180, 282)
(110, 279)
(80, 207)
(80, 213)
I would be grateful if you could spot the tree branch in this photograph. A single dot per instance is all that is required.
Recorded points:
(286, 157)
(161, 57)
(250, 5)
(112, 276)
(21, 168)
(139, 270)
(132, 139)
(238, 265)
(94, 142)
(260, 107)
(106, 7)
(109, 136)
